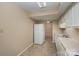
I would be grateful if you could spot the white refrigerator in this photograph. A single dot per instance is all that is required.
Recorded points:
(39, 33)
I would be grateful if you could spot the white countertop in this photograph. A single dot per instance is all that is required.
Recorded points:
(70, 45)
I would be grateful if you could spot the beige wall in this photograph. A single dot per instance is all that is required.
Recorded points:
(55, 29)
(70, 31)
(16, 29)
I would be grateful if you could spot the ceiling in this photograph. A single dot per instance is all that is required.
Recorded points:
(51, 12)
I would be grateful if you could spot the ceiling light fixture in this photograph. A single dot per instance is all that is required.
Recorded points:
(41, 4)
(44, 3)
(48, 22)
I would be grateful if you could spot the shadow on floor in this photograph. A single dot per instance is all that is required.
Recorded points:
(46, 49)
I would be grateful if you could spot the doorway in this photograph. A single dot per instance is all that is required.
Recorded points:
(48, 31)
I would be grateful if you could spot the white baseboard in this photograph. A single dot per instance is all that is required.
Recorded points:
(24, 50)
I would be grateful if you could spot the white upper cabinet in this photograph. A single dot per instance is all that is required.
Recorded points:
(66, 19)
(71, 18)
(75, 16)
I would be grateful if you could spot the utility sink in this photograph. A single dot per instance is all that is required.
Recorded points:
(69, 44)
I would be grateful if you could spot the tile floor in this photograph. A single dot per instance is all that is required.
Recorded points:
(46, 49)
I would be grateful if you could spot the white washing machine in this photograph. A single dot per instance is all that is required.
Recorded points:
(72, 53)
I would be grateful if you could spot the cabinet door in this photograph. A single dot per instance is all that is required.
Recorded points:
(75, 15)
(68, 18)
(60, 49)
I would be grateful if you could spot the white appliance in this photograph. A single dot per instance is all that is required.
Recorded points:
(39, 33)
(66, 46)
